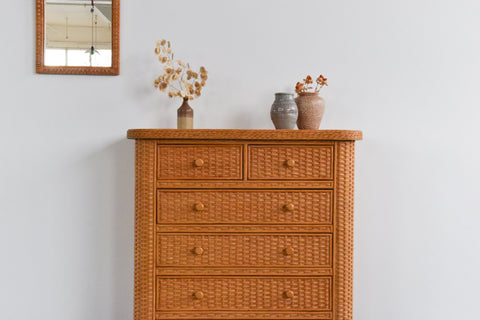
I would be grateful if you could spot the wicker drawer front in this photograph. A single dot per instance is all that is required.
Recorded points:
(290, 162)
(199, 162)
(245, 207)
(248, 293)
(232, 250)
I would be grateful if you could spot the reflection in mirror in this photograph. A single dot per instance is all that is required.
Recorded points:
(78, 33)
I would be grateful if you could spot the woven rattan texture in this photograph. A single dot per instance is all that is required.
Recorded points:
(245, 271)
(311, 162)
(244, 293)
(244, 250)
(344, 231)
(246, 207)
(245, 135)
(243, 315)
(144, 229)
(218, 162)
(246, 228)
(233, 237)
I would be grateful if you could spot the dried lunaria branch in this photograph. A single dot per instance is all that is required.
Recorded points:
(177, 77)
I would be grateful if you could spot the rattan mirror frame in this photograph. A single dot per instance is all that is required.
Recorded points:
(40, 38)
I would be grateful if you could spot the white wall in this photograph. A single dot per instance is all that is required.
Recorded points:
(405, 72)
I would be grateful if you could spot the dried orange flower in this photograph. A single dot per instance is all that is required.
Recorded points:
(308, 86)
(177, 75)
(299, 87)
(322, 81)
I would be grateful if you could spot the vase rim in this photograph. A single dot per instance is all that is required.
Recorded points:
(283, 94)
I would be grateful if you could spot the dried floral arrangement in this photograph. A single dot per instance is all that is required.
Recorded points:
(309, 86)
(177, 77)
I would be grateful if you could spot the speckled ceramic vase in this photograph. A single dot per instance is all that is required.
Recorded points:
(310, 110)
(185, 116)
(284, 111)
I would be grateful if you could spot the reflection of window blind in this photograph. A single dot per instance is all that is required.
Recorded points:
(78, 19)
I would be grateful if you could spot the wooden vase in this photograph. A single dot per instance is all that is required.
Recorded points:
(310, 110)
(185, 116)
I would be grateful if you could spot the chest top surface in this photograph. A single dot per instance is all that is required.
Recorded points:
(244, 134)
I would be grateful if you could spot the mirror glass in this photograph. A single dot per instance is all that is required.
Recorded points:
(78, 33)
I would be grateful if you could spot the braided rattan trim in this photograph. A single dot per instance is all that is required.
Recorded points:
(244, 293)
(343, 286)
(245, 315)
(244, 250)
(218, 162)
(243, 228)
(235, 134)
(247, 207)
(246, 271)
(40, 46)
(172, 184)
(144, 230)
(267, 162)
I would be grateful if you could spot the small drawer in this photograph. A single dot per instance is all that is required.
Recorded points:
(295, 162)
(244, 293)
(245, 207)
(237, 250)
(186, 162)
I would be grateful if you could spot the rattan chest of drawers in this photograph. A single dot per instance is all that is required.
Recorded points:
(243, 224)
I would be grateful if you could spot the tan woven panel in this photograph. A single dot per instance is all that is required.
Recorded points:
(267, 315)
(344, 231)
(216, 162)
(307, 162)
(244, 250)
(144, 230)
(244, 293)
(244, 207)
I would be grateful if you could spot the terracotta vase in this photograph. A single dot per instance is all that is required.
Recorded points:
(185, 116)
(310, 110)
(284, 111)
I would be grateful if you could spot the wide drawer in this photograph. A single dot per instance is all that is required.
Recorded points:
(244, 293)
(272, 162)
(199, 162)
(240, 250)
(245, 207)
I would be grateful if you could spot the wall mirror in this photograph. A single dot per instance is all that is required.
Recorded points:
(78, 36)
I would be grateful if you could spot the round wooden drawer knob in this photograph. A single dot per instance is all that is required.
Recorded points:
(289, 207)
(198, 163)
(289, 294)
(198, 251)
(199, 295)
(290, 163)
(288, 251)
(199, 206)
